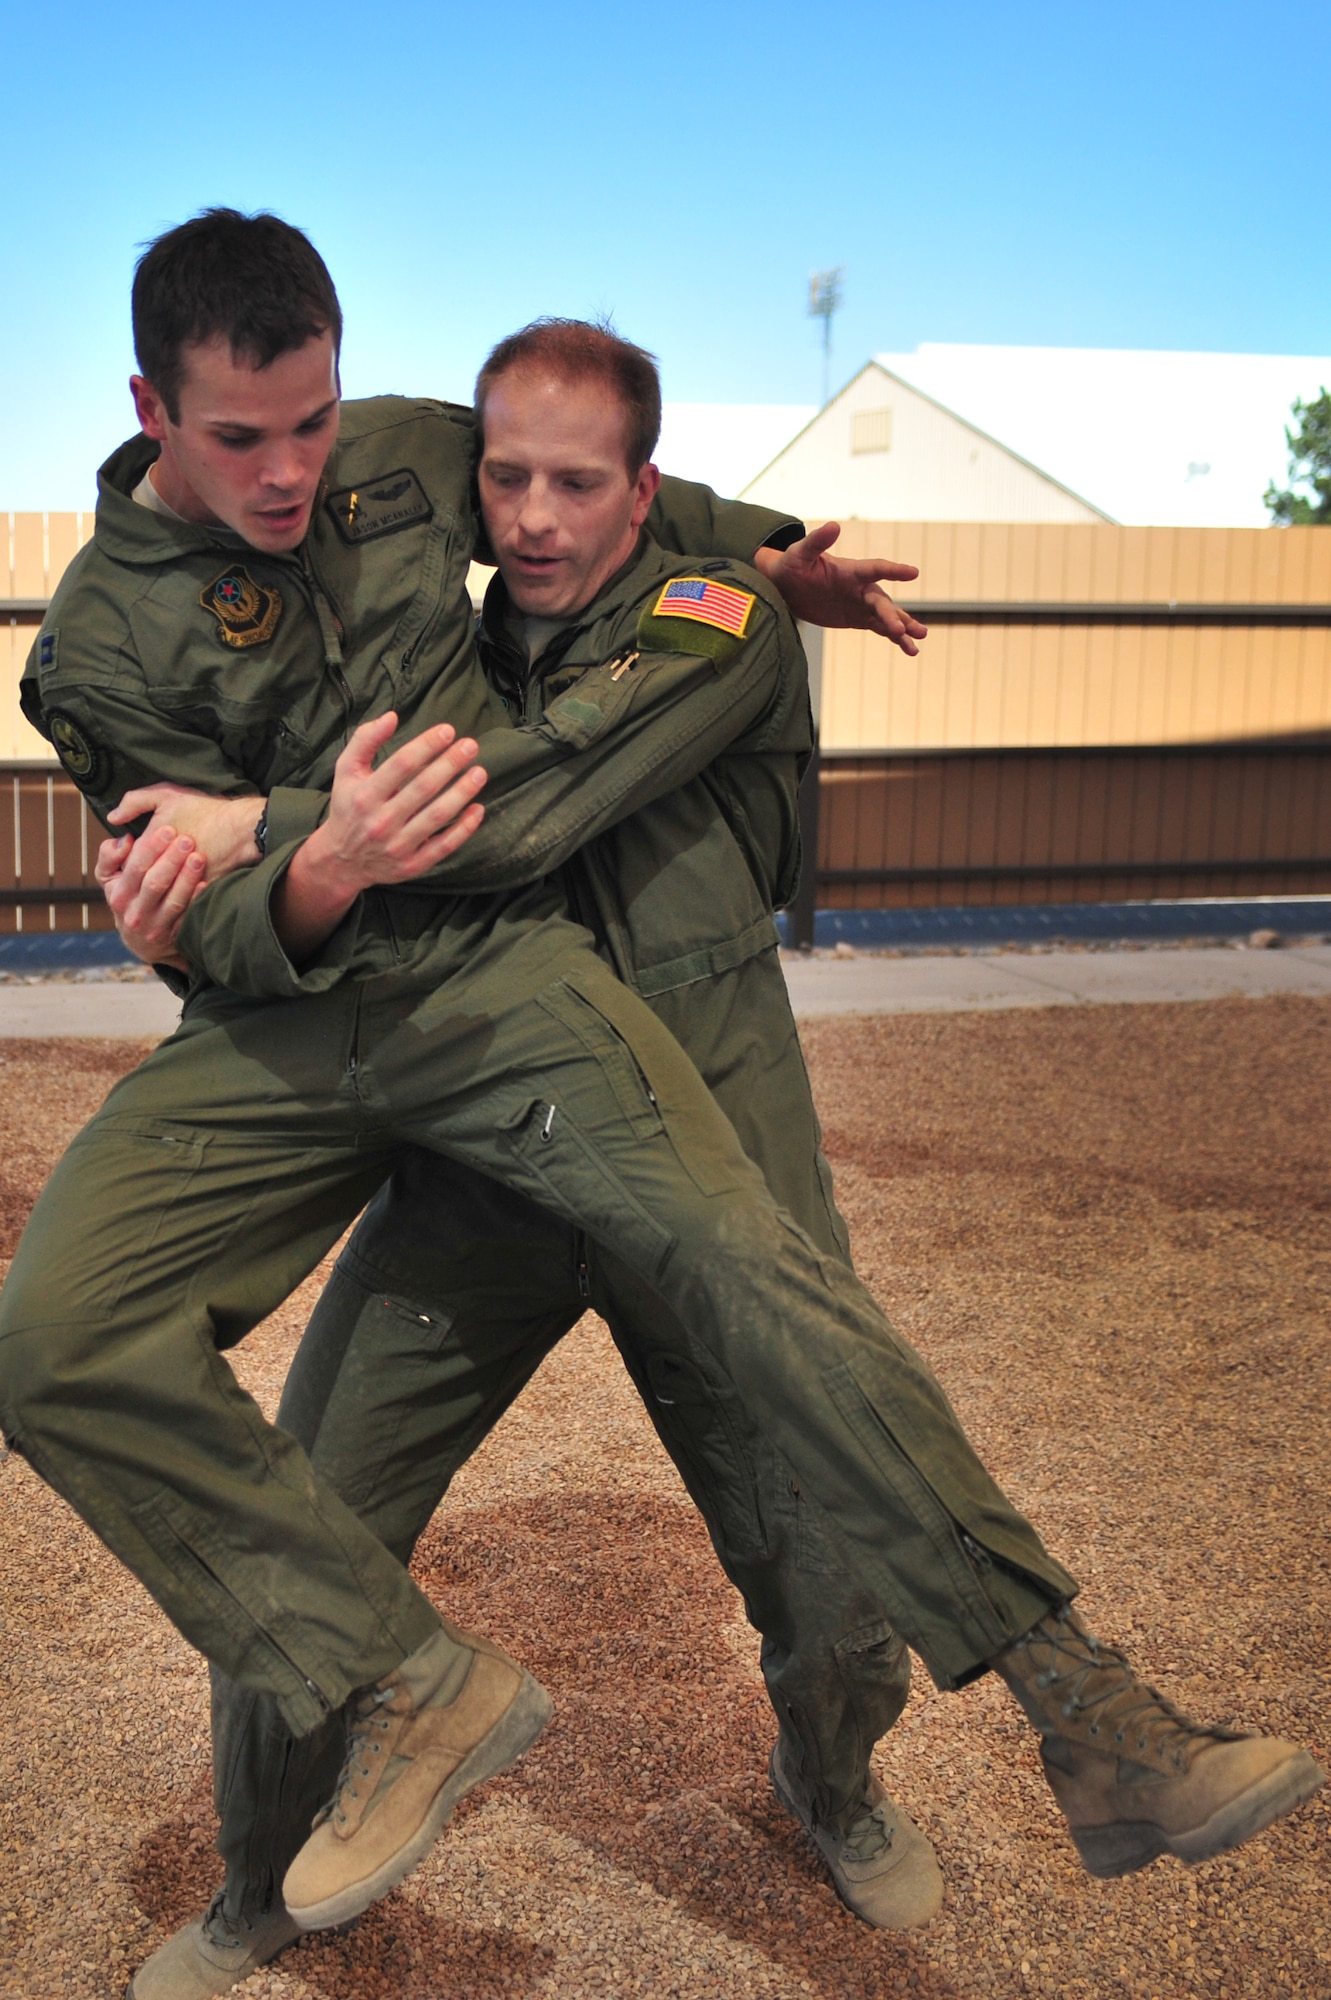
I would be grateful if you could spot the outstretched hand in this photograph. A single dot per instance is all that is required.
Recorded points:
(393, 821)
(835, 591)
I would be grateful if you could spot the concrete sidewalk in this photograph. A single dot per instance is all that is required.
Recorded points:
(137, 1009)
(924, 983)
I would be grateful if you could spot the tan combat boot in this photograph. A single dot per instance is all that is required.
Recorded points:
(418, 1742)
(212, 1954)
(1135, 1777)
(883, 1867)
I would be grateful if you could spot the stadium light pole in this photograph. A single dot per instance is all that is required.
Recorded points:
(824, 300)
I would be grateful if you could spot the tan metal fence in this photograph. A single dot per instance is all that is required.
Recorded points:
(1099, 713)
(1088, 637)
(34, 552)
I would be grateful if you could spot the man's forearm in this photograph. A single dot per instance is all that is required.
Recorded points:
(311, 899)
(257, 929)
(547, 795)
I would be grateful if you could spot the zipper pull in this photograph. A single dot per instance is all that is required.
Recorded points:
(548, 1126)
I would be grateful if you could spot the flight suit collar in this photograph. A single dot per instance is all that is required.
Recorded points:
(131, 533)
(500, 624)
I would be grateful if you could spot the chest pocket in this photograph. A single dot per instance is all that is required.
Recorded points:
(259, 739)
(398, 574)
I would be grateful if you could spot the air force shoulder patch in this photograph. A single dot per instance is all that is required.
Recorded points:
(78, 750)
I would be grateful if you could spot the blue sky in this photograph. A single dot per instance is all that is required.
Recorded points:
(1126, 175)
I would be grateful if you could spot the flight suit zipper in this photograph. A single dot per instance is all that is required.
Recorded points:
(332, 631)
(580, 1265)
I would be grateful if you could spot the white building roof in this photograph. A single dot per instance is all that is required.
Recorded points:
(1173, 439)
(884, 450)
(725, 444)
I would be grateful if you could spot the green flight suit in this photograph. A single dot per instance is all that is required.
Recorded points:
(453, 1289)
(482, 1026)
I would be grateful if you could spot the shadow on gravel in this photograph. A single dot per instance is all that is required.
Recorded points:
(397, 1947)
(176, 1869)
(656, 1761)
(657, 1755)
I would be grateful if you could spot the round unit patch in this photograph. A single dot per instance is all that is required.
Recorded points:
(81, 755)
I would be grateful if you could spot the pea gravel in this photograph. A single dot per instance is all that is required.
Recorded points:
(1108, 1228)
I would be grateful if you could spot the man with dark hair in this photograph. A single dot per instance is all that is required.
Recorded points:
(430, 1326)
(693, 904)
(252, 276)
(481, 1026)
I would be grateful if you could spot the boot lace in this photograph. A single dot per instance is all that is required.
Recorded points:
(869, 1834)
(366, 1728)
(1091, 1680)
(225, 1933)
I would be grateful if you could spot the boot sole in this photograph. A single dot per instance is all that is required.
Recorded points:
(1120, 1849)
(516, 1730)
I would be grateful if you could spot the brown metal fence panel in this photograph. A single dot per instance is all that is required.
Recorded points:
(48, 842)
(1075, 826)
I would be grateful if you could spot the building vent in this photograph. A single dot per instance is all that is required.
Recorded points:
(871, 430)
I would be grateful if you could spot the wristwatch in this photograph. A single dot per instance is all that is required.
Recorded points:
(261, 833)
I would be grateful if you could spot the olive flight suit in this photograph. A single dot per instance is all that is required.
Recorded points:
(453, 1289)
(480, 1025)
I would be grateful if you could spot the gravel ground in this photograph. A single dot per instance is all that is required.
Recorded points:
(1108, 1228)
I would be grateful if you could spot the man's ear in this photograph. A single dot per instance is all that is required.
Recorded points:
(648, 481)
(149, 408)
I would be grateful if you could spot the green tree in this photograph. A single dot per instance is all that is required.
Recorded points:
(1309, 465)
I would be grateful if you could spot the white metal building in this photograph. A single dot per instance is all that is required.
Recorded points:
(725, 444)
(884, 450)
(1016, 434)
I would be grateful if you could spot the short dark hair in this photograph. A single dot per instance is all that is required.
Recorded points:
(253, 279)
(579, 350)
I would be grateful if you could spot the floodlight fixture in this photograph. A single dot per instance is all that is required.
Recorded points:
(824, 300)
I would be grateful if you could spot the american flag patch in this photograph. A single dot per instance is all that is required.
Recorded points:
(708, 602)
